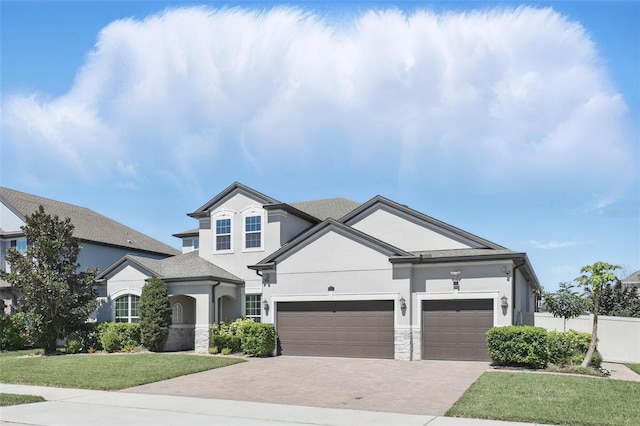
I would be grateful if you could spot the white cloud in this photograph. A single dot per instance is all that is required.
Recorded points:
(504, 97)
(548, 245)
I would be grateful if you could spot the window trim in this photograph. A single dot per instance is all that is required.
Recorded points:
(177, 314)
(215, 217)
(130, 318)
(257, 305)
(253, 211)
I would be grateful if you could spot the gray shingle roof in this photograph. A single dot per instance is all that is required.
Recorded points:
(89, 225)
(462, 252)
(331, 208)
(182, 266)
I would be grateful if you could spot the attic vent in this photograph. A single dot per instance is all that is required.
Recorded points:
(129, 241)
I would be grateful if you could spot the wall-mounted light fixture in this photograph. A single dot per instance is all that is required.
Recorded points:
(403, 305)
(331, 288)
(265, 305)
(455, 277)
(504, 302)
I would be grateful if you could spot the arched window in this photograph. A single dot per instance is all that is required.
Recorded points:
(176, 313)
(127, 308)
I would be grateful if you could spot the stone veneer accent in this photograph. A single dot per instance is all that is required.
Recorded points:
(180, 339)
(402, 341)
(202, 340)
(417, 345)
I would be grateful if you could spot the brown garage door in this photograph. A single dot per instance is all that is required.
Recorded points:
(455, 329)
(359, 329)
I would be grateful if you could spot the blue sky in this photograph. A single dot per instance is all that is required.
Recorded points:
(518, 122)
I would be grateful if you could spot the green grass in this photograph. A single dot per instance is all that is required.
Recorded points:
(634, 367)
(7, 399)
(551, 399)
(101, 371)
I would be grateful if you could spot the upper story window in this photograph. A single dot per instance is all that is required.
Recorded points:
(253, 228)
(253, 232)
(223, 234)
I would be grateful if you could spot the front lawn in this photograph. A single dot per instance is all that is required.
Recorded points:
(102, 371)
(7, 399)
(550, 398)
(634, 367)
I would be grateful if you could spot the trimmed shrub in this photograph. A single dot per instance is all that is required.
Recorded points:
(228, 334)
(568, 347)
(114, 336)
(11, 333)
(89, 336)
(73, 344)
(523, 346)
(258, 339)
(226, 351)
(155, 314)
(226, 341)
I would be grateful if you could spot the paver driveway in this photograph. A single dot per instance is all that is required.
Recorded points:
(413, 387)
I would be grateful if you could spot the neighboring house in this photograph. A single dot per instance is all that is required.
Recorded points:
(102, 240)
(632, 280)
(337, 278)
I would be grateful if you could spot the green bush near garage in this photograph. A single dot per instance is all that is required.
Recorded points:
(243, 335)
(258, 339)
(521, 346)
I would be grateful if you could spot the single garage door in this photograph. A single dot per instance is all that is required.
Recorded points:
(455, 329)
(358, 329)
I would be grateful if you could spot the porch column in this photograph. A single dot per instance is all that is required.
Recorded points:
(203, 317)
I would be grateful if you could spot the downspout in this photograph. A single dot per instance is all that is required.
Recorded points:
(513, 290)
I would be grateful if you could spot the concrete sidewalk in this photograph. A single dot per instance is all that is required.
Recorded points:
(98, 408)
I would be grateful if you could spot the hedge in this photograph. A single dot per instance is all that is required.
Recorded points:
(243, 335)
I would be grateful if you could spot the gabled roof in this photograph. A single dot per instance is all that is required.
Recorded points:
(236, 186)
(190, 233)
(634, 278)
(269, 261)
(350, 219)
(188, 266)
(89, 225)
(468, 255)
(331, 208)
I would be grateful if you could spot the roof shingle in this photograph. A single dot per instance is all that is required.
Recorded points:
(89, 225)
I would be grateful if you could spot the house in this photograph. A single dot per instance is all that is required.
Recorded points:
(102, 240)
(336, 278)
(632, 280)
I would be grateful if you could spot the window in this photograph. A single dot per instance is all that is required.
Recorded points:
(253, 231)
(196, 243)
(176, 313)
(223, 234)
(252, 304)
(127, 308)
(20, 245)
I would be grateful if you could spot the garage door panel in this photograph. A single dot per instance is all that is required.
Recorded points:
(337, 328)
(455, 329)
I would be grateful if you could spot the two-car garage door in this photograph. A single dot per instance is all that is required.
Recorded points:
(451, 329)
(362, 329)
(456, 329)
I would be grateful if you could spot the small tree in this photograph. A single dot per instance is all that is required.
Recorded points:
(55, 297)
(566, 303)
(595, 277)
(155, 314)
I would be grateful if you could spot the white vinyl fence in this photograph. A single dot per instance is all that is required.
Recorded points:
(618, 337)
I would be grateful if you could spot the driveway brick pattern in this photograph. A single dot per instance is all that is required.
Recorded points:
(411, 387)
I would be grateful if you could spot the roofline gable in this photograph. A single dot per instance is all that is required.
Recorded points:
(236, 186)
(270, 260)
(124, 259)
(378, 199)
